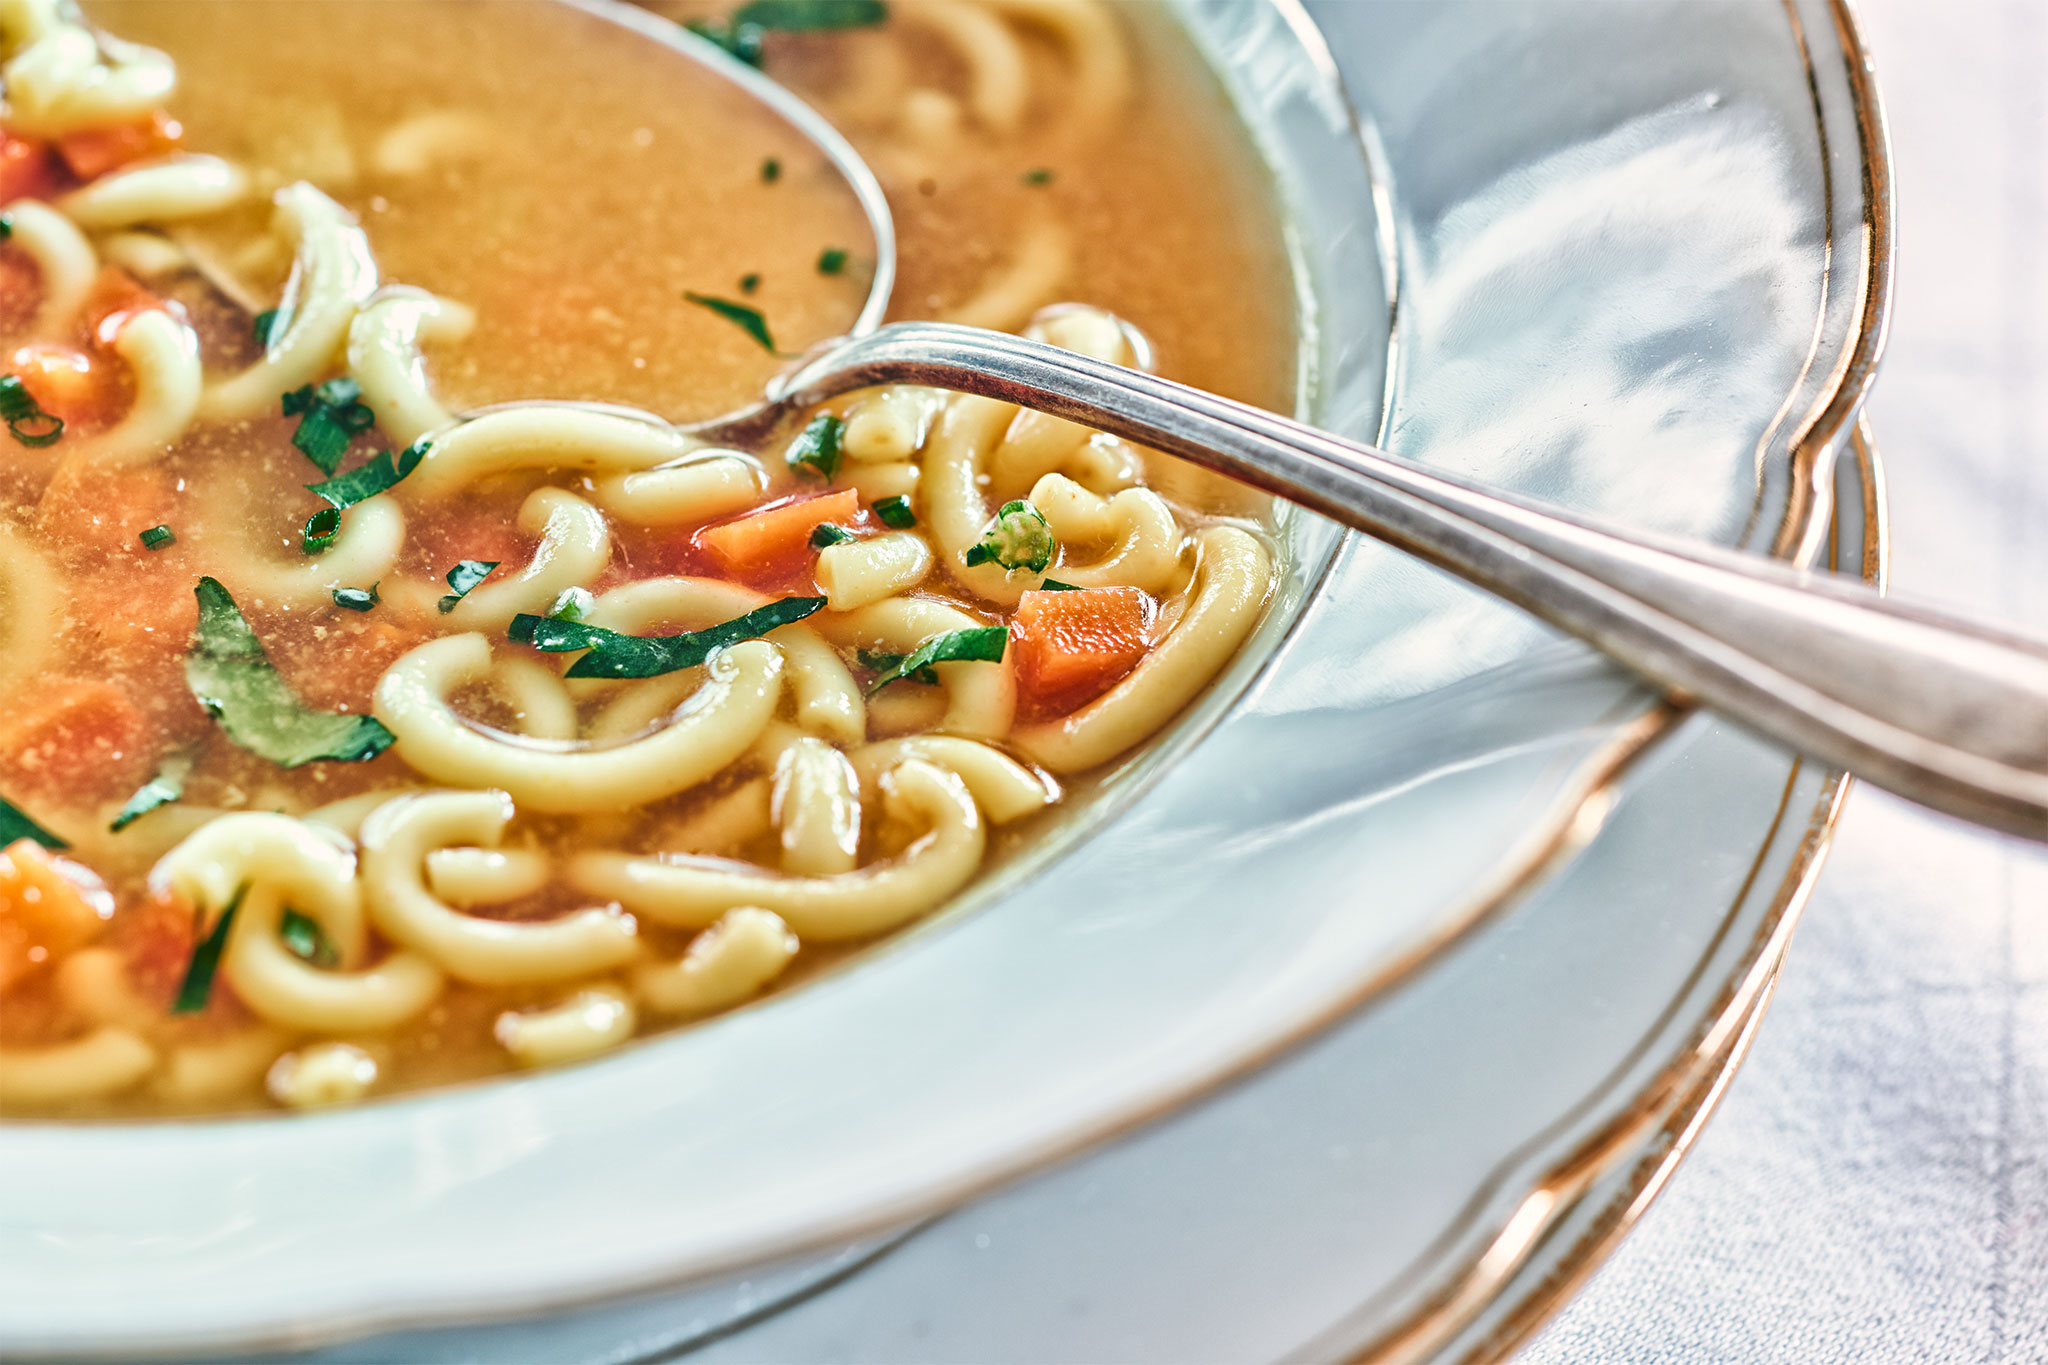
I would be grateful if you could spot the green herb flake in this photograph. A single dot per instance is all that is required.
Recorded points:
(267, 325)
(771, 170)
(330, 415)
(825, 535)
(197, 987)
(831, 261)
(26, 421)
(980, 644)
(895, 512)
(817, 447)
(234, 681)
(1018, 538)
(572, 604)
(378, 474)
(742, 42)
(463, 577)
(749, 283)
(321, 529)
(616, 655)
(1054, 585)
(15, 824)
(1041, 175)
(746, 319)
(6, 227)
(810, 16)
(356, 599)
(303, 937)
(167, 786)
(156, 537)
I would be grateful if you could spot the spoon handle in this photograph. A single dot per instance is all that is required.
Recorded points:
(1942, 710)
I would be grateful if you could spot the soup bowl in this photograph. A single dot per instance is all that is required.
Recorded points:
(1653, 292)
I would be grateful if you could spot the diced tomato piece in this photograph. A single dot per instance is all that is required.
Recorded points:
(27, 169)
(48, 907)
(67, 382)
(94, 152)
(1072, 646)
(21, 291)
(81, 739)
(116, 297)
(155, 937)
(778, 533)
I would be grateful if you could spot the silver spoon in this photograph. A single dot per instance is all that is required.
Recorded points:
(1942, 710)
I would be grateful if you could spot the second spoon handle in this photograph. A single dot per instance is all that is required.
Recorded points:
(1939, 709)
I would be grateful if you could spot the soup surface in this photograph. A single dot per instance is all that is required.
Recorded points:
(356, 740)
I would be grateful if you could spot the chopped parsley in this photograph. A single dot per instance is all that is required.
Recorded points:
(831, 261)
(330, 415)
(1018, 538)
(771, 170)
(26, 421)
(1054, 585)
(982, 644)
(747, 319)
(197, 987)
(741, 34)
(15, 824)
(156, 537)
(749, 283)
(1041, 175)
(234, 681)
(167, 786)
(356, 599)
(895, 512)
(306, 940)
(616, 655)
(321, 529)
(463, 577)
(268, 324)
(826, 535)
(816, 447)
(378, 474)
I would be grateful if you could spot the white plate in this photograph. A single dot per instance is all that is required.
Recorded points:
(1613, 293)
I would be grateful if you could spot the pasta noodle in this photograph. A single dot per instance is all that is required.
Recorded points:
(686, 714)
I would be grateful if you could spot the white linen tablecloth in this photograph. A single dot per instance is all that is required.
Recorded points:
(1875, 1186)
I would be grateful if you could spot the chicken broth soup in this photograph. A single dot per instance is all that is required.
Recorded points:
(357, 740)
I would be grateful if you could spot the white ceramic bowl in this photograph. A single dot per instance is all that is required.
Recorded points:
(1637, 293)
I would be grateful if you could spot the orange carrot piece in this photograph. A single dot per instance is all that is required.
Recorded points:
(80, 738)
(66, 382)
(1072, 646)
(778, 532)
(92, 153)
(27, 170)
(48, 907)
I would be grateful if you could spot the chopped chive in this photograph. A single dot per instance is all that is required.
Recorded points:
(15, 824)
(378, 474)
(1041, 175)
(746, 319)
(356, 599)
(234, 682)
(811, 16)
(167, 786)
(895, 512)
(771, 170)
(156, 537)
(306, 940)
(463, 577)
(197, 987)
(26, 421)
(572, 604)
(831, 261)
(816, 448)
(749, 283)
(978, 644)
(1018, 538)
(330, 415)
(614, 654)
(321, 529)
(825, 535)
